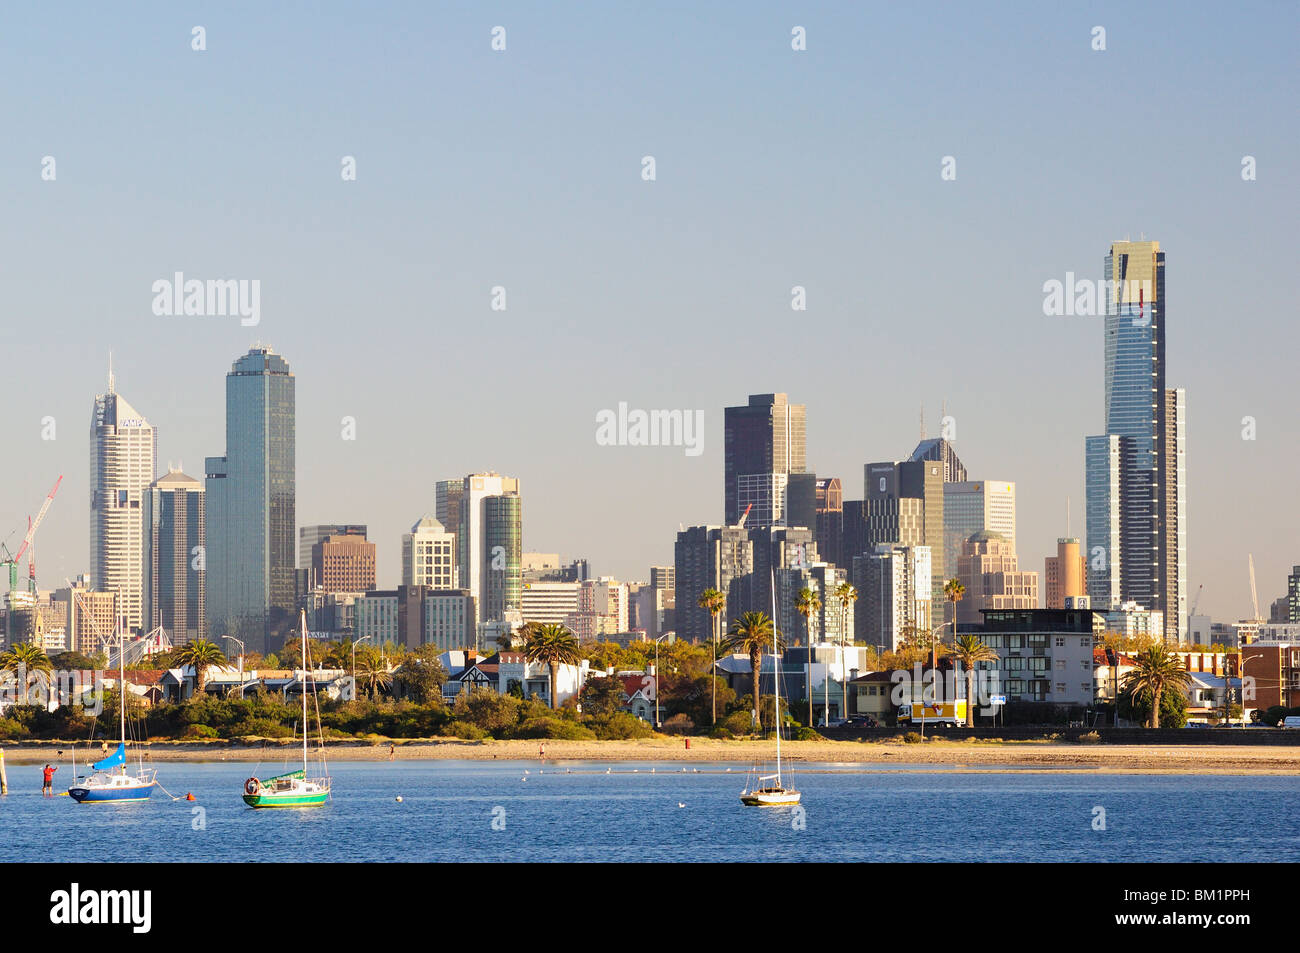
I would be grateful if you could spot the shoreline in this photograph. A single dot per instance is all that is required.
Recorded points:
(984, 756)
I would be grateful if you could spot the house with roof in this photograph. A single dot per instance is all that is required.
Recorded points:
(478, 674)
(533, 679)
(1106, 662)
(638, 696)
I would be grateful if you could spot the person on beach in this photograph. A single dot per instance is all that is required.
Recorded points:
(103, 748)
(392, 752)
(541, 751)
(47, 785)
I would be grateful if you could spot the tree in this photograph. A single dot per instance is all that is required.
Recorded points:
(24, 659)
(202, 654)
(847, 594)
(421, 675)
(1154, 670)
(374, 674)
(953, 591)
(806, 603)
(970, 650)
(713, 602)
(601, 697)
(752, 633)
(1137, 707)
(488, 710)
(555, 645)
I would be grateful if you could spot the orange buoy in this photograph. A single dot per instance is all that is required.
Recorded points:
(190, 797)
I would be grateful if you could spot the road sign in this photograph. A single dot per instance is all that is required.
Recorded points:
(998, 700)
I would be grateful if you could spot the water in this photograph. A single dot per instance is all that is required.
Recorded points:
(575, 811)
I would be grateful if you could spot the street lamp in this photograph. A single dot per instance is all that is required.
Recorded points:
(241, 664)
(658, 725)
(354, 664)
(934, 672)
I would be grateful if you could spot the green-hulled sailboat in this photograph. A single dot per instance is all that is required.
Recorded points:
(294, 789)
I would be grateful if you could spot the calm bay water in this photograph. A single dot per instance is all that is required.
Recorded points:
(575, 811)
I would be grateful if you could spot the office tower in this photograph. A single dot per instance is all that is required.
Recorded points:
(490, 543)
(831, 622)
(705, 557)
(1148, 517)
(855, 538)
(309, 536)
(970, 506)
(429, 556)
(343, 564)
(549, 602)
(251, 516)
(1066, 573)
(447, 495)
(175, 570)
(990, 571)
(939, 450)
(905, 505)
(91, 617)
(829, 520)
(895, 585)
(1293, 595)
(801, 500)
(663, 577)
(123, 458)
(763, 444)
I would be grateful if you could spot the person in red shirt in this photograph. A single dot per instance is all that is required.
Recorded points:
(47, 788)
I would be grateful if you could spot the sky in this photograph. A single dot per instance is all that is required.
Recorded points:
(523, 168)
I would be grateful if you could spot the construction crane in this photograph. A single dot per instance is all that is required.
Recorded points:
(1197, 601)
(1254, 596)
(33, 525)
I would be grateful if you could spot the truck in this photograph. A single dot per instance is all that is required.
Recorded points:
(951, 713)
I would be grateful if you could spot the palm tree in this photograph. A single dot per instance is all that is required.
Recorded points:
(806, 603)
(752, 633)
(24, 658)
(202, 654)
(553, 644)
(713, 602)
(373, 674)
(970, 650)
(847, 594)
(1154, 670)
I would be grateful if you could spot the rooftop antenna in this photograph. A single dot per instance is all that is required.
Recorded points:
(110, 372)
(923, 421)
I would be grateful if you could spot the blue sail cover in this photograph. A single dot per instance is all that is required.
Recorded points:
(113, 760)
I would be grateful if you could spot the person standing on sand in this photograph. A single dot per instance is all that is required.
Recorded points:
(47, 785)
(392, 752)
(541, 751)
(103, 748)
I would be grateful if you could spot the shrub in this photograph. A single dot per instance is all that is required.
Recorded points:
(911, 737)
(678, 725)
(804, 733)
(265, 728)
(1090, 737)
(199, 731)
(466, 731)
(739, 723)
(619, 726)
(9, 728)
(557, 728)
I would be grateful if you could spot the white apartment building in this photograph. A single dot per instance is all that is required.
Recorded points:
(429, 556)
(549, 602)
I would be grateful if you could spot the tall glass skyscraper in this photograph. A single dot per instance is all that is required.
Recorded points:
(763, 443)
(251, 495)
(490, 544)
(1149, 507)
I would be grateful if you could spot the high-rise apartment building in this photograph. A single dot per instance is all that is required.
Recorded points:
(705, 557)
(1137, 484)
(490, 543)
(602, 609)
(429, 556)
(549, 602)
(123, 459)
(251, 504)
(973, 506)
(829, 519)
(1293, 595)
(1065, 574)
(447, 495)
(174, 561)
(895, 586)
(764, 442)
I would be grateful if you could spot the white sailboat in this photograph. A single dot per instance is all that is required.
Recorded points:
(111, 781)
(770, 790)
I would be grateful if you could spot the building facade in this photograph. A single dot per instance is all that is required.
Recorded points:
(490, 543)
(123, 460)
(429, 556)
(972, 506)
(989, 570)
(344, 564)
(895, 595)
(1065, 575)
(175, 564)
(251, 505)
(763, 443)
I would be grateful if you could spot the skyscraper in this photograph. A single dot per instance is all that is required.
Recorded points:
(829, 531)
(344, 563)
(309, 536)
(894, 586)
(429, 556)
(709, 557)
(1139, 499)
(123, 458)
(175, 575)
(447, 495)
(905, 505)
(764, 442)
(490, 543)
(1293, 595)
(971, 506)
(251, 503)
(990, 571)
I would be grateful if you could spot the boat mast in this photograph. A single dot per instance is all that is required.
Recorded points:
(776, 682)
(304, 694)
(121, 686)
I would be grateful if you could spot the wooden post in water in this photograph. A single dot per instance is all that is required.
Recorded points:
(4, 778)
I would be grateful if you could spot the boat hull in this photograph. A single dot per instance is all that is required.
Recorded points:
(115, 795)
(286, 800)
(769, 798)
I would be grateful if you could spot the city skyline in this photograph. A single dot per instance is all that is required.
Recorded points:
(762, 185)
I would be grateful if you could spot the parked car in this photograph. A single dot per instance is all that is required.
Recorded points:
(863, 721)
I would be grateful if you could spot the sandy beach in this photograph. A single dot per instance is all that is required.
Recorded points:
(945, 755)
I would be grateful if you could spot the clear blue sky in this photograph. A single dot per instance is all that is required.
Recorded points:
(775, 169)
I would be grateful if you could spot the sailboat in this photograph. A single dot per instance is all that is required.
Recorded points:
(111, 781)
(769, 790)
(294, 789)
